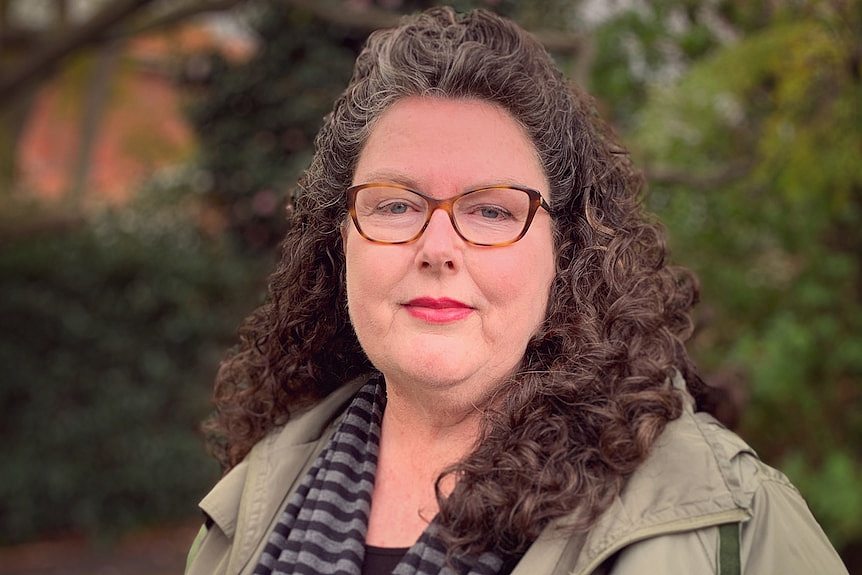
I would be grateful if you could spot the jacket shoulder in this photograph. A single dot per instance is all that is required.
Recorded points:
(699, 476)
(221, 505)
(778, 533)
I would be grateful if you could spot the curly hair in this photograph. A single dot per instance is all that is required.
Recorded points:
(593, 391)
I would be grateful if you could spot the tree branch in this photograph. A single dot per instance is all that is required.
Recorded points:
(4, 17)
(62, 13)
(178, 16)
(44, 61)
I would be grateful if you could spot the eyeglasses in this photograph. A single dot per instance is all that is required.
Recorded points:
(493, 216)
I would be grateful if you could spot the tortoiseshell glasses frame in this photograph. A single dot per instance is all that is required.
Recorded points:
(536, 201)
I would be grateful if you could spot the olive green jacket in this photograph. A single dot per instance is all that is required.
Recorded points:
(698, 477)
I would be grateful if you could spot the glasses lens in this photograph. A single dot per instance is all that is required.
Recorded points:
(389, 214)
(492, 216)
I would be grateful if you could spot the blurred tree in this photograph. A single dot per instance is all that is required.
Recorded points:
(256, 120)
(748, 117)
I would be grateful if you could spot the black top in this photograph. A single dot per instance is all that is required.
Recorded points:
(382, 560)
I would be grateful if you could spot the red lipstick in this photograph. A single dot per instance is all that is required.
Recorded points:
(438, 310)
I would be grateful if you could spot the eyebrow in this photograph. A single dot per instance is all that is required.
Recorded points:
(390, 176)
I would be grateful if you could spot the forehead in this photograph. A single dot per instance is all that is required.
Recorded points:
(449, 145)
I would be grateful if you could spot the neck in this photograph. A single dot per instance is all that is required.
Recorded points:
(423, 432)
(434, 414)
(428, 428)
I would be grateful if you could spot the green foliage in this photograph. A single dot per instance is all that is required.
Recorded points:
(643, 46)
(111, 335)
(764, 136)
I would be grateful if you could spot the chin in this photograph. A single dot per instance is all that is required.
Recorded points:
(434, 378)
(442, 371)
(431, 370)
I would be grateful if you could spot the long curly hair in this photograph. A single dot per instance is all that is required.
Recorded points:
(593, 391)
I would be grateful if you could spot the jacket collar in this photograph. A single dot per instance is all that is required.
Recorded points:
(248, 499)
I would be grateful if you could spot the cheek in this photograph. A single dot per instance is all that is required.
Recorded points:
(371, 273)
(356, 275)
(518, 284)
(507, 284)
(526, 269)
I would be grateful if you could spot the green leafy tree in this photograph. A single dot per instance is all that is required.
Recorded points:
(754, 143)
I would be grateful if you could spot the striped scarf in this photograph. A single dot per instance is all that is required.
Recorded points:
(322, 529)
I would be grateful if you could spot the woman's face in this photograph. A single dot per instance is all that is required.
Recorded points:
(439, 312)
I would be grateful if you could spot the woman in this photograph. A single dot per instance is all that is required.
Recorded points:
(472, 357)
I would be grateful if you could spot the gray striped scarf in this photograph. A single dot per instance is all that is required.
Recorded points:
(322, 529)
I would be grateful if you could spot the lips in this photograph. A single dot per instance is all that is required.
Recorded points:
(438, 310)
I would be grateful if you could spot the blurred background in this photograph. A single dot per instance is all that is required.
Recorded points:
(147, 148)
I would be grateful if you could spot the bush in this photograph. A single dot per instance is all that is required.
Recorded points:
(111, 336)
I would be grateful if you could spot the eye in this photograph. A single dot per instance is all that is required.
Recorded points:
(491, 212)
(394, 207)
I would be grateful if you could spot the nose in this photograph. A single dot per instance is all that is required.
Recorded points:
(439, 247)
